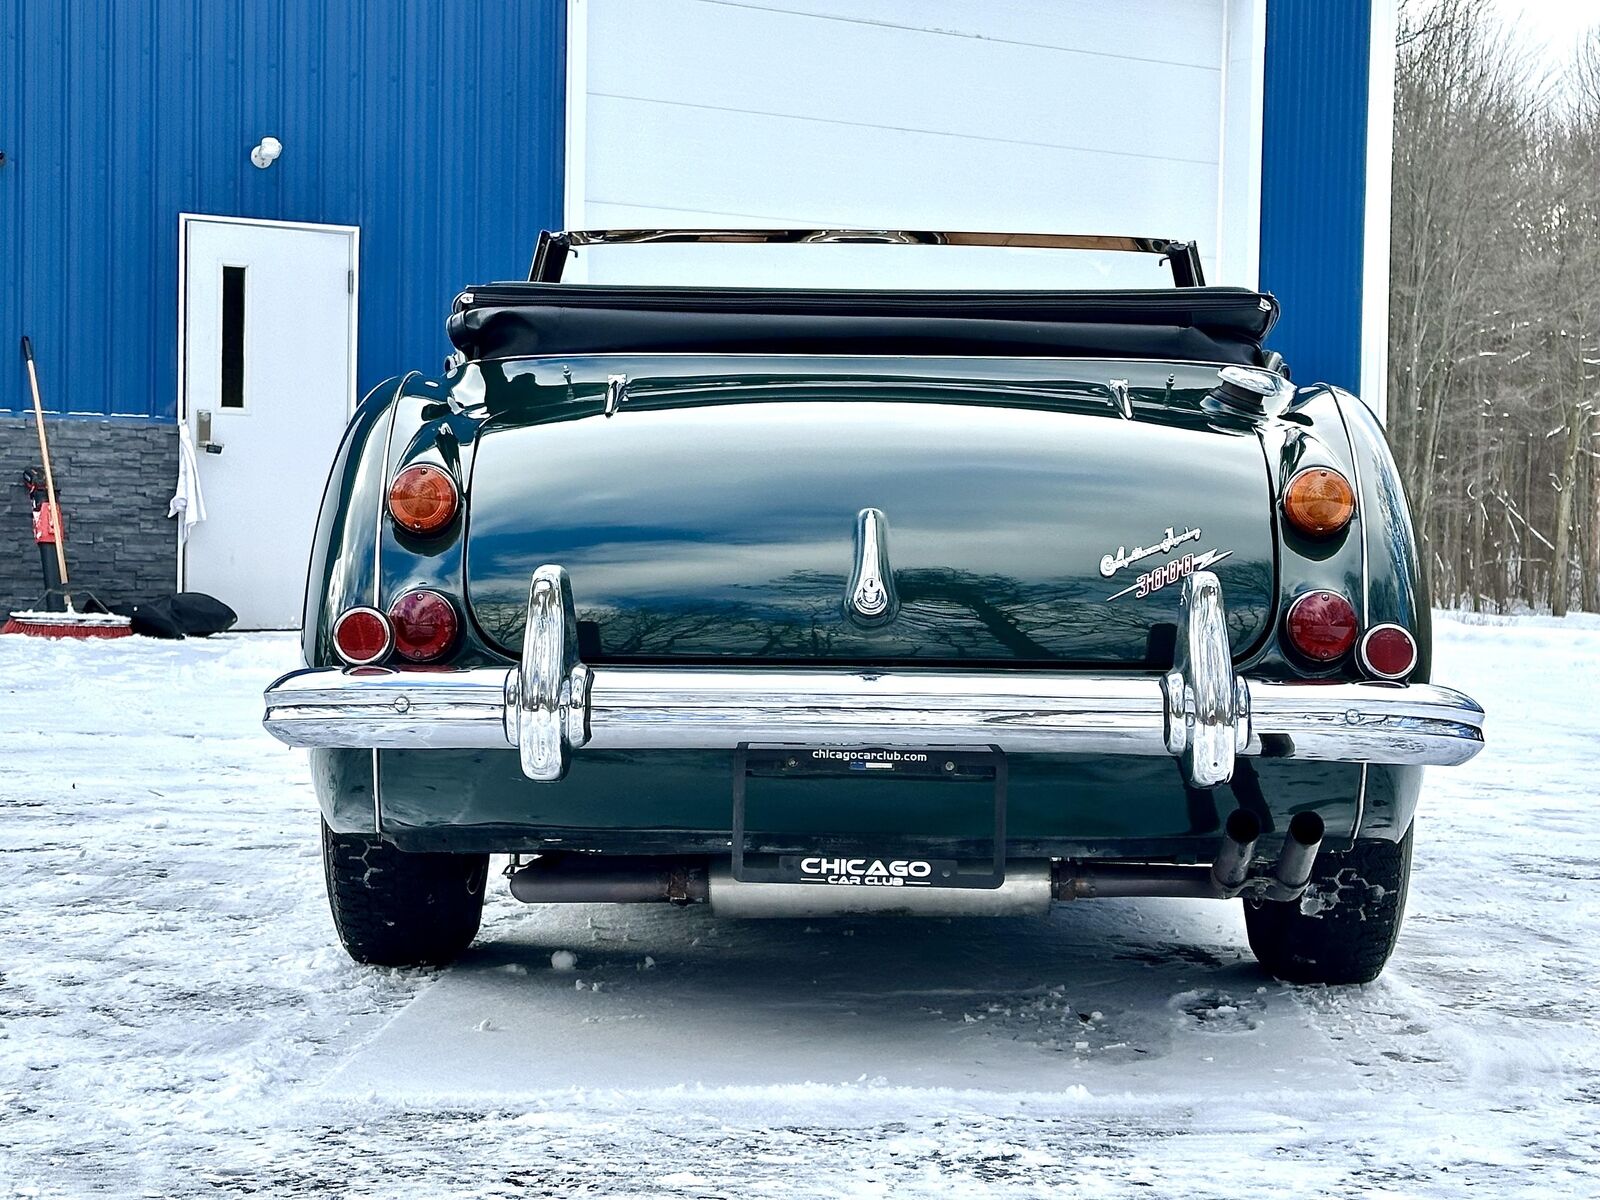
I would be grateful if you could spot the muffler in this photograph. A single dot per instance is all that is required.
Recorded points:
(565, 878)
(610, 879)
(1025, 892)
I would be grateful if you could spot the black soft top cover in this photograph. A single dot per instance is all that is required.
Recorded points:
(1200, 324)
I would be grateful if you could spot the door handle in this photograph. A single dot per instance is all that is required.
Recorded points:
(203, 429)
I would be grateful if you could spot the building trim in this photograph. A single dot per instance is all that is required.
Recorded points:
(1380, 173)
(1244, 57)
(1315, 227)
(574, 180)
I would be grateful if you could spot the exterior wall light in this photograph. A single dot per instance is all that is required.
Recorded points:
(266, 152)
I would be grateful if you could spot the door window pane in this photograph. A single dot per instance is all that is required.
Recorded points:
(233, 337)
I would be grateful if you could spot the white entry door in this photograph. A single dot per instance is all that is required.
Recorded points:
(268, 371)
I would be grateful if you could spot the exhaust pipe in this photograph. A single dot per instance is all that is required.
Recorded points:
(607, 879)
(1232, 867)
(1222, 880)
(1030, 885)
(1292, 872)
(565, 878)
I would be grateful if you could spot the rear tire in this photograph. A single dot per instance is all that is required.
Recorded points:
(1344, 928)
(394, 909)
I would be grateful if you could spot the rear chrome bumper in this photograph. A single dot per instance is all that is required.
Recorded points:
(551, 704)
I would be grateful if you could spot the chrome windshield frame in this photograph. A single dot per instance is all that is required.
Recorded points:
(555, 248)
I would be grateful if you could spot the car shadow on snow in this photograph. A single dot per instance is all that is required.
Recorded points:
(1105, 992)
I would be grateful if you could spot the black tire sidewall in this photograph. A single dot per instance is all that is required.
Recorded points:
(394, 908)
(1343, 930)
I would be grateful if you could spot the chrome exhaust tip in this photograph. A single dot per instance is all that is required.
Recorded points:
(1232, 865)
(1292, 873)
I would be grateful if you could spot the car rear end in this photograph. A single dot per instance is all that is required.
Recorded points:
(1055, 613)
(1047, 555)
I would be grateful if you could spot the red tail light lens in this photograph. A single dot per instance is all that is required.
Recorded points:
(1319, 502)
(361, 636)
(1388, 651)
(422, 499)
(1321, 626)
(425, 626)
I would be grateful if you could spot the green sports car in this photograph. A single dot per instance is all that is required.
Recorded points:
(813, 601)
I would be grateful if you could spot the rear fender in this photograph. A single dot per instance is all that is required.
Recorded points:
(340, 574)
(358, 556)
(1396, 581)
(434, 425)
(1396, 592)
(1309, 434)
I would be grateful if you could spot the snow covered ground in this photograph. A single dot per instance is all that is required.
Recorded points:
(176, 1018)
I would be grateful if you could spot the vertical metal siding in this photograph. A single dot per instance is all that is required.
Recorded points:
(1313, 182)
(434, 125)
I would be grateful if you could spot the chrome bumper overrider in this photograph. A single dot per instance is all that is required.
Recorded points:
(1200, 712)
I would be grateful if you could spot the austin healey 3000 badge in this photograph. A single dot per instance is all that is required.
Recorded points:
(1110, 564)
(1165, 574)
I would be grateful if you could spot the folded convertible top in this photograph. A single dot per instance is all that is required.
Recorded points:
(1204, 324)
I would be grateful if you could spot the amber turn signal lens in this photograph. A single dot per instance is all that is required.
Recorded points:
(1319, 502)
(1321, 626)
(422, 499)
(1388, 651)
(425, 626)
(362, 636)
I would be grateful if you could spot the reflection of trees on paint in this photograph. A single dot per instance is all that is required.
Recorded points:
(944, 615)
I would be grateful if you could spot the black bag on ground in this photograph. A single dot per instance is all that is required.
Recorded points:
(202, 615)
(186, 614)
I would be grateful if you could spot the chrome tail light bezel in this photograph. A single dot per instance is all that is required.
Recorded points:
(1366, 662)
(425, 531)
(1299, 651)
(450, 643)
(388, 635)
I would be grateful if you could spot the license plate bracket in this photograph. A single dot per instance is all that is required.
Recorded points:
(880, 863)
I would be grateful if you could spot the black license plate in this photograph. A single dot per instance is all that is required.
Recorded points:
(893, 857)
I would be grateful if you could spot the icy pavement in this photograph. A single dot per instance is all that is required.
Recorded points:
(176, 1019)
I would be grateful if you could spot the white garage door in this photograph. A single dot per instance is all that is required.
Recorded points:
(1076, 116)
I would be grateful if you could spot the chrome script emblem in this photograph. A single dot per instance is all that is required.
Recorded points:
(869, 598)
(1169, 573)
(1110, 564)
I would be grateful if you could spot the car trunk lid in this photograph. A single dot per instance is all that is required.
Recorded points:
(724, 524)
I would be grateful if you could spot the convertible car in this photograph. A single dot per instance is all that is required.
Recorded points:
(812, 601)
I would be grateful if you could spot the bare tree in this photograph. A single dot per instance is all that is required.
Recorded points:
(1495, 311)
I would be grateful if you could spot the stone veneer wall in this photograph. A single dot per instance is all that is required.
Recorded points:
(115, 478)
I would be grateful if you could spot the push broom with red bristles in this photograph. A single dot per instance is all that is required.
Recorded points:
(71, 623)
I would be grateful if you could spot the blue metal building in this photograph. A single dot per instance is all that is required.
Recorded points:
(436, 127)
(449, 132)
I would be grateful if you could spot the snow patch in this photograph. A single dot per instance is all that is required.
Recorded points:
(167, 945)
